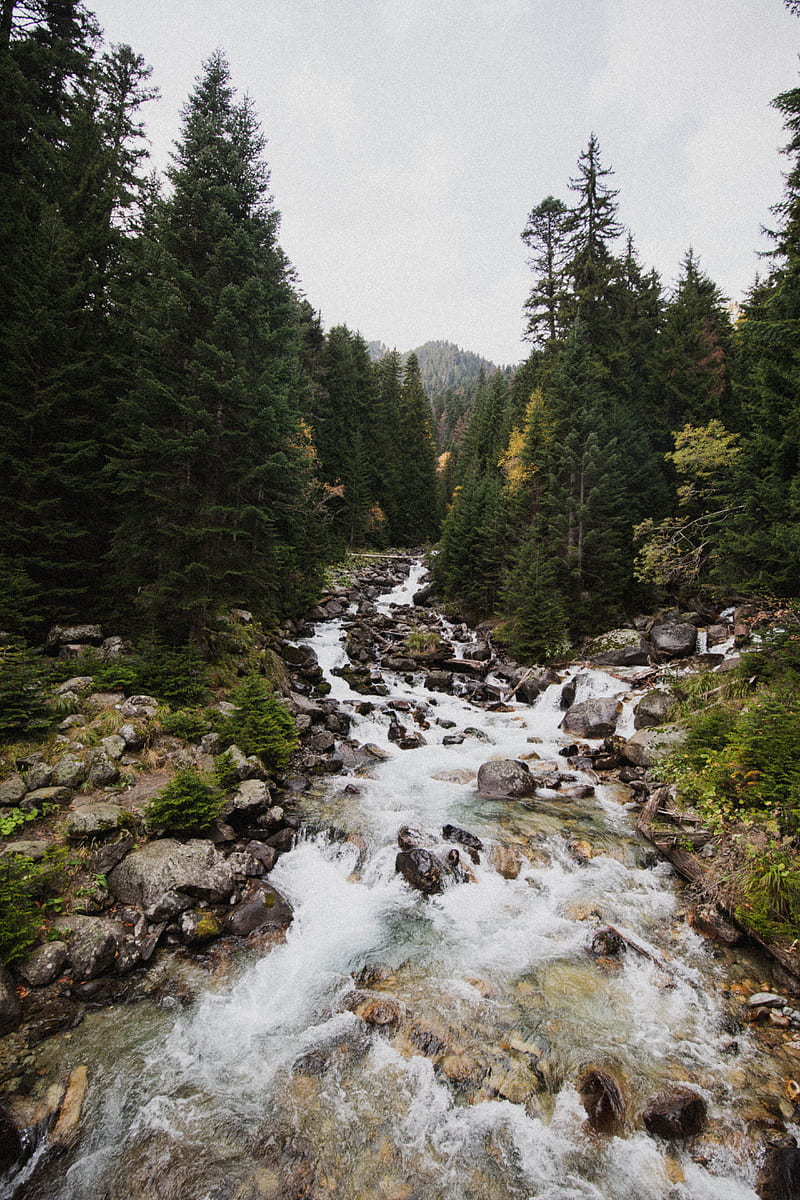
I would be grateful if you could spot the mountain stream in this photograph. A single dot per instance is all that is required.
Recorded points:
(270, 1086)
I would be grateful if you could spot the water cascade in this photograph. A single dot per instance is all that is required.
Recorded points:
(403, 1047)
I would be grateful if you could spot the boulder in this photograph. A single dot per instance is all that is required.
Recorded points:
(199, 925)
(39, 775)
(43, 964)
(132, 735)
(430, 871)
(93, 820)
(679, 1112)
(593, 718)
(69, 772)
(262, 910)
(139, 706)
(439, 681)
(12, 789)
(653, 709)
(473, 844)
(674, 640)
(619, 648)
(60, 635)
(505, 779)
(381, 1011)
(65, 1131)
(251, 796)
(114, 746)
(102, 770)
(10, 1142)
(47, 795)
(91, 943)
(648, 745)
(164, 874)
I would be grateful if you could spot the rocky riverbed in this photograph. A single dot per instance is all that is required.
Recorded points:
(156, 920)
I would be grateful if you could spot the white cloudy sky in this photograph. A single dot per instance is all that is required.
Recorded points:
(408, 139)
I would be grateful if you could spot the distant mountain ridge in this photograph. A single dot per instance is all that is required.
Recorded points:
(444, 366)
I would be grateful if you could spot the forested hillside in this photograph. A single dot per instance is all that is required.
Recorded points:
(177, 432)
(648, 448)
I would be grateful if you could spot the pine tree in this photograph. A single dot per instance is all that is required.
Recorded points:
(415, 518)
(213, 465)
(544, 235)
(592, 228)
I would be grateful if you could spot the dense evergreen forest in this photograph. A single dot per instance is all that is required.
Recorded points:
(179, 433)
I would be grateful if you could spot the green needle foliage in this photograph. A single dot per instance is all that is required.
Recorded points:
(190, 803)
(261, 725)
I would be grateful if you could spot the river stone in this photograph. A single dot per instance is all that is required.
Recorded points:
(678, 1112)
(430, 872)
(505, 779)
(166, 871)
(65, 1130)
(652, 709)
(601, 1096)
(381, 1011)
(264, 909)
(43, 964)
(455, 775)
(648, 745)
(506, 861)
(593, 718)
(779, 1175)
(9, 1003)
(199, 925)
(12, 790)
(766, 1000)
(93, 820)
(439, 681)
(91, 943)
(69, 772)
(674, 640)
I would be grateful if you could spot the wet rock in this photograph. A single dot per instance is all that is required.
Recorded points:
(381, 1011)
(506, 861)
(10, 1142)
(505, 779)
(453, 739)
(678, 1112)
(9, 1003)
(251, 796)
(12, 790)
(439, 681)
(602, 1097)
(264, 909)
(43, 964)
(779, 1174)
(93, 820)
(455, 775)
(607, 943)
(619, 648)
(653, 709)
(264, 854)
(578, 791)
(593, 718)
(65, 1131)
(674, 640)
(164, 872)
(283, 840)
(473, 844)
(427, 871)
(580, 850)
(199, 925)
(765, 1000)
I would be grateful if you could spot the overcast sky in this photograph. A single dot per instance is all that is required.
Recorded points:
(409, 139)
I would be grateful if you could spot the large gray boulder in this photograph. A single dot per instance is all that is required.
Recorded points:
(264, 909)
(93, 820)
(619, 648)
(648, 745)
(593, 718)
(505, 779)
(653, 709)
(12, 789)
(165, 875)
(674, 640)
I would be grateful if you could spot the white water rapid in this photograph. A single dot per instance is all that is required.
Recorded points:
(268, 1086)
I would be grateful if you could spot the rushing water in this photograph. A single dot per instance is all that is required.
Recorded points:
(269, 1086)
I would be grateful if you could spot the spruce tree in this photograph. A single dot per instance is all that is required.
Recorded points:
(212, 464)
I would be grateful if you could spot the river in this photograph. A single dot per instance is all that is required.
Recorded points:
(268, 1086)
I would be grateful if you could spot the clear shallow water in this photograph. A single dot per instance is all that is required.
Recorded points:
(268, 1086)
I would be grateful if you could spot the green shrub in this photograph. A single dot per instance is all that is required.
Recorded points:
(187, 724)
(261, 725)
(25, 887)
(176, 674)
(190, 801)
(769, 887)
(225, 774)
